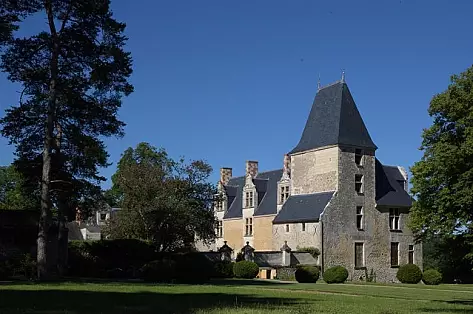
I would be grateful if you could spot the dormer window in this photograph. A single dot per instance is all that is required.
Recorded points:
(219, 206)
(402, 183)
(249, 199)
(283, 193)
(359, 157)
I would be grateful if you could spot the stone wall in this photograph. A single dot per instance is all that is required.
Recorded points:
(263, 232)
(314, 171)
(340, 230)
(312, 236)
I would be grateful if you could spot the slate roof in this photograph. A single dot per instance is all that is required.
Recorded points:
(334, 119)
(266, 184)
(388, 191)
(304, 207)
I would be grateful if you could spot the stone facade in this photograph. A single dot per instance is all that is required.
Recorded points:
(330, 194)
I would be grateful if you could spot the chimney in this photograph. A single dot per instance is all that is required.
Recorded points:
(287, 166)
(225, 175)
(252, 168)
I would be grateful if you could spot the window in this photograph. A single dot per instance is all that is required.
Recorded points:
(219, 206)
(411, 254)
(359, 183)
(287, 228)
(358, 157)
(394, 219)
(103, 216)
(219, 231)
(359, 261)
(249, 199)
(359, 217)
(394, 253)
(249, 227)
(284, 193)
(303, 226)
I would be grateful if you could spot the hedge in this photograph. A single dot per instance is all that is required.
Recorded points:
(432, 277)
(245, 269)
(336, 274)
(409, 273)
(307, 274)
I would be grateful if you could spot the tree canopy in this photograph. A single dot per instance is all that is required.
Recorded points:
(442, 181)
(163, 200)
(74, 76)
(14, 194)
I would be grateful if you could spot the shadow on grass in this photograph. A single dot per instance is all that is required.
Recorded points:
(467, 307)
(67, 301)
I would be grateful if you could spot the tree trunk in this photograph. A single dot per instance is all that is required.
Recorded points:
(45, 218)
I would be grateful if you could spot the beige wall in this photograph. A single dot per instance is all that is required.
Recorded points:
(262, 233)
(315, 171)
(233, 233)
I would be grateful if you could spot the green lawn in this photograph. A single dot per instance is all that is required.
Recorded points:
(233, 296)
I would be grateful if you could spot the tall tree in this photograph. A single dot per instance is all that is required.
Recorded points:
(165, 201)
(74, 75)
(442, 181)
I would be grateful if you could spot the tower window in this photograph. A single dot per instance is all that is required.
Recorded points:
(359, 183)
(394, 253)
(359, 258)
(284, 193)
(248, 227)
(394, 217)
(359, 157)
(411, 254)
(359, 217)
(249, 199)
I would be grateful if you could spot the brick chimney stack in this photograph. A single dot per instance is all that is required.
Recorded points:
(225, 175)
(252, 168)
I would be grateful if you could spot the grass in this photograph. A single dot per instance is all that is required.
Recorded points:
(233, 296)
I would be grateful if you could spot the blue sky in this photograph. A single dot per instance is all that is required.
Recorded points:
(229, 81)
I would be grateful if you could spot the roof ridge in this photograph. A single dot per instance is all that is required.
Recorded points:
(258, 174)
(331, 84)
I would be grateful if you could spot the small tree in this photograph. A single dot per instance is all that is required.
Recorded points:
(165, 201)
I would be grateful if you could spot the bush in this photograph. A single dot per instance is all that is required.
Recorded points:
(245, 269)
(223, 269)
(192, 267)
(336, 274)
(409, 273)
(163, 270)
(432, 277)
(307, 274)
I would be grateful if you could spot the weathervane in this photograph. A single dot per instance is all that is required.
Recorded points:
(343, 76)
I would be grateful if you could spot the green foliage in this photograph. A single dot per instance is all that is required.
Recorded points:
(163, 270)
(409, 273)
(14, 194)
(336, 274)
(164, 201)
(223, 269)
(109, 258)
(315, 252)
(245, 269)
(442, 179)
(432, 277)
(307, 274)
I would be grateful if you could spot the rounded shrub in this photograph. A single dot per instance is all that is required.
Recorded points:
(409, 273)
(307, 274)
(432, 277)
(245, 269)
(223, 269)
(336, 274)
(158, 271)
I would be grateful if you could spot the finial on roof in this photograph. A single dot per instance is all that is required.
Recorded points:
(343, 76)
(318, 84)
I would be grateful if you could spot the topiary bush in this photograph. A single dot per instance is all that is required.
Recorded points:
(307, 274)
(245, 269)
(432, 277)
(409, 273)
(336, 274)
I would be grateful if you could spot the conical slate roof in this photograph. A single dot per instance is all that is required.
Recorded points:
(334, 119)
